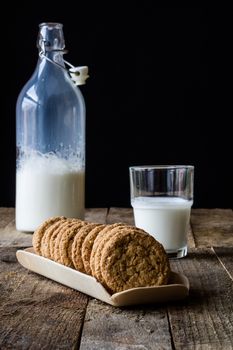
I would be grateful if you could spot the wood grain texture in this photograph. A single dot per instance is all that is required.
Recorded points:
(37, 313)
(120, 215)
(11, 237)
(8, 233)
(98, 215)
(212, 227)
(11, 275)
(205, 319)
(225, 256)
(6, 216)
(112, 328)
(202, 321)
(191, 239)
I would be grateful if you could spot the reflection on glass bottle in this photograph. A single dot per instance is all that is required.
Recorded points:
(50, 137)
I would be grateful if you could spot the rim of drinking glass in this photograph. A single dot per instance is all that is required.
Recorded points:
(151, 167)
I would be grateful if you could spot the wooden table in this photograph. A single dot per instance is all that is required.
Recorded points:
(37, 313)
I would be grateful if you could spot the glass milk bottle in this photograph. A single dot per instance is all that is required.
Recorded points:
(50, 138)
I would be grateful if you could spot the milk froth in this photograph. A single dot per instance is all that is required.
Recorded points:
(48, 186)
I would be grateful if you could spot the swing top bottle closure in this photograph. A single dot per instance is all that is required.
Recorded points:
(50, 136)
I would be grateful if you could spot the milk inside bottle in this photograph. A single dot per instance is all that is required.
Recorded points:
(48, 186)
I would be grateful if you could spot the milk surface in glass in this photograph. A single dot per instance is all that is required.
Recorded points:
(165, 218)
(48, 186)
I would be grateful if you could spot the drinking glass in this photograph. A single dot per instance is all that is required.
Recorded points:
(161, 197)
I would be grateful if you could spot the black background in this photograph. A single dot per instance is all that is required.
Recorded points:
(160, 92)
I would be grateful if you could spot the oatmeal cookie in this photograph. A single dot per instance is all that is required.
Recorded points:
(132, 259)
(39, 233)
(106, 238)
(105, 231)
(63, 228)
(54, 243)
(76, 250)
(66, 241)
(45, 242)
(88, 245)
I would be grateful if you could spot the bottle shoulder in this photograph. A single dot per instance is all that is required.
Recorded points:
(50, 82)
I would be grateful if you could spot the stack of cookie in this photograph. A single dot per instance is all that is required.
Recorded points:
(119, 256)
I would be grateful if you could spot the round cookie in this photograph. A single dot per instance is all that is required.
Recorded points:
(77, 246)
(56, 253)
(134, 259)
(54, 236)
(87, 247)
(98, 239)
(110, 233)
(39, 233)
(66, 241)
(45, 242)
(105, 239)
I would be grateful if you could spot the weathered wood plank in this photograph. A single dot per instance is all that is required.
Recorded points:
(6, 216)
(8, 233)
(10, 274)
(205, 319)
(36, 313)
(96, 215)
(112, 328)
(39, 313)
(212, 227)
(191, 241)
(202, 321)
(225, 255)
(120, 215)
(9, 236)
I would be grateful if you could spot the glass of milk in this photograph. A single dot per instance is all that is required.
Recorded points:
(161, 197)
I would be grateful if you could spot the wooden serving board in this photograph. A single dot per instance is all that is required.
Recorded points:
(178, 287)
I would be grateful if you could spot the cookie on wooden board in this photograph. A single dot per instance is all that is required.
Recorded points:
(56, 253)
(76, 249)
(132, 258)
(105, 231)
(39, 233)
(45, 242)
(53, 244)
(66, 242)
(118, 255)
(88, 245)
(105, 239)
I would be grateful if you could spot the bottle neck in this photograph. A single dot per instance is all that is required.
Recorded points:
(53, 56)
(51, 43)
(50, 37)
